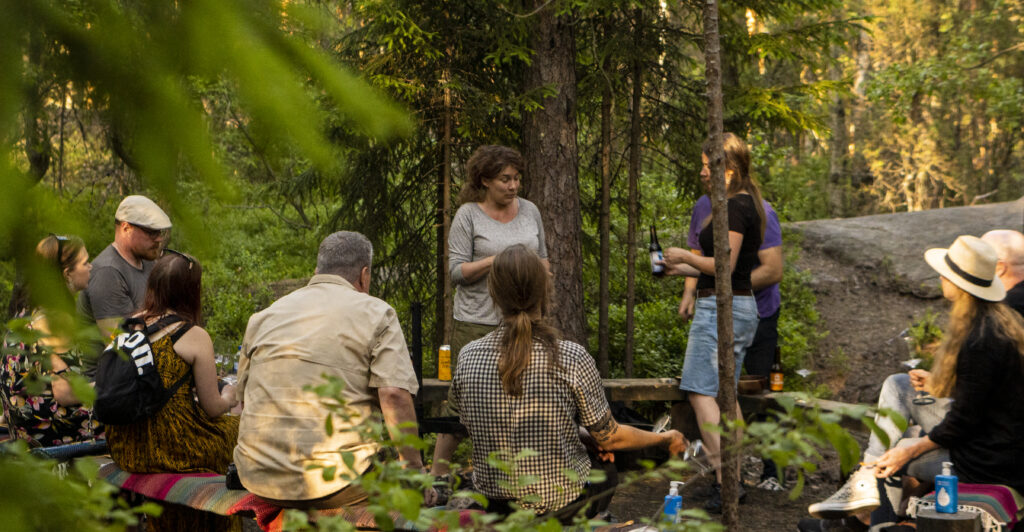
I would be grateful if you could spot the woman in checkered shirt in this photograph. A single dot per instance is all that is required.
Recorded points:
(521, 388)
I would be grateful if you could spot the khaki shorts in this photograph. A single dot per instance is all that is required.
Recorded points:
(463, 333)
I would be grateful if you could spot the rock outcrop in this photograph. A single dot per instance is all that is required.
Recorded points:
(894, 244)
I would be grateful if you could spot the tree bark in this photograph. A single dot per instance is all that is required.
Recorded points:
(444, 280)
(551, 156)
(634, 200)
(723, 279)
(607, 102)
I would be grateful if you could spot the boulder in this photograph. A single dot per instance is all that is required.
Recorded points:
(893, 245)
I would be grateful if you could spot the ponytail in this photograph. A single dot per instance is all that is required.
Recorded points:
(518, 284)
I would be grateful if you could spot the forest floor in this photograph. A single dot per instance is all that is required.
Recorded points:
(865, 314)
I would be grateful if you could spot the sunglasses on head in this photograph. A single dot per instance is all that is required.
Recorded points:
(61, 239)
(151, 233)
(188, 259)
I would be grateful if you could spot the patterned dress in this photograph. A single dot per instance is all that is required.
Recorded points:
(180, 438)
(38, 418)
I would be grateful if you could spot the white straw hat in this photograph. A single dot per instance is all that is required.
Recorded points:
(970, 263)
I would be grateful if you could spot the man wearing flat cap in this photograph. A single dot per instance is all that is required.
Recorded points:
(117, 286)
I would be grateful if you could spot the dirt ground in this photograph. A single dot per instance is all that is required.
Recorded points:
(865, 317)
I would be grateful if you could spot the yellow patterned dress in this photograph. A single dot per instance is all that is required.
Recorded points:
(180, 438)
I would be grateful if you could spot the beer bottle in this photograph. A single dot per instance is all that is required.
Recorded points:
(775, 377)
(657, 270)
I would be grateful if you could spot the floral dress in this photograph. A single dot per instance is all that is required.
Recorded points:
(38, 418)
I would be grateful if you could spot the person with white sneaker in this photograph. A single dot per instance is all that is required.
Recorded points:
(978, 380)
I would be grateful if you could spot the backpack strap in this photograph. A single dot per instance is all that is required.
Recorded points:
(179, 332)
(162, 323)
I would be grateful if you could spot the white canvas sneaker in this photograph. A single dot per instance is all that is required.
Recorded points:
(859, 494)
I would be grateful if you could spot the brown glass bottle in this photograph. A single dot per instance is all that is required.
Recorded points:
(775, 378)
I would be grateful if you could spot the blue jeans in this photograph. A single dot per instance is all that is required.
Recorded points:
(897, 394)
(700, 367)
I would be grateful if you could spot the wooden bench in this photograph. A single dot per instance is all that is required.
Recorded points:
(667, 390)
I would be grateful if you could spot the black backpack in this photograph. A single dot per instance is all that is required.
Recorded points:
(128, 385)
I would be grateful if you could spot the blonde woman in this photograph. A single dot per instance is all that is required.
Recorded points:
(746, 232)
(53, 416)
(976, 418)
(981, 367)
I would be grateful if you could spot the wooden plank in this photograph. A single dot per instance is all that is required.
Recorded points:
(667, 389)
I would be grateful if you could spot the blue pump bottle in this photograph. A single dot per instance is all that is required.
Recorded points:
(673, 502)
(946, 498)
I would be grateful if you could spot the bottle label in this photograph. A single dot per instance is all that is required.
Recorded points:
(655, 267)
(776, 382)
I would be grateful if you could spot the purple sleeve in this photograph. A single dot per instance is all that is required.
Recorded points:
(701, 210)
(772, 228)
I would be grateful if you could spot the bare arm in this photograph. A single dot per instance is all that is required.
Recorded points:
(397, 406)
(473, 271)
(687, 306)
(196, 348)
(612, 436)
(770, 270)
(108, 327)
(700, 263)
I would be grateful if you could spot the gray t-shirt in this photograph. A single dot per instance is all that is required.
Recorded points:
(116, 288)
(474, 236)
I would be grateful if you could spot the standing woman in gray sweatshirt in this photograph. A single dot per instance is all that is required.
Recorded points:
(491, 217)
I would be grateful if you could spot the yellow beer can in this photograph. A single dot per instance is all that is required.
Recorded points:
(444, 363)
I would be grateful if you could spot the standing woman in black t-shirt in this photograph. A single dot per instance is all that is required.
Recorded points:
(746, 230)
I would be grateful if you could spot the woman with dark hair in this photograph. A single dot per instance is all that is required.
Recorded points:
(491, 218)
(520, 388)
(746, 230)
(185, 436)
(54, 416)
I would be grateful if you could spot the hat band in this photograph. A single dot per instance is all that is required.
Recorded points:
(967, 277)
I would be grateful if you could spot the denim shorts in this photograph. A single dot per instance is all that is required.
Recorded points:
(700, 367)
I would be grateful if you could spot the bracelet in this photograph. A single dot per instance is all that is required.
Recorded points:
(61, 372)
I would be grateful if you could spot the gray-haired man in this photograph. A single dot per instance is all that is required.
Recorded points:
(331, 326)
(1009, 246)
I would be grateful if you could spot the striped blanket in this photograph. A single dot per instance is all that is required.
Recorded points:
(207, 492)
(1001, 507)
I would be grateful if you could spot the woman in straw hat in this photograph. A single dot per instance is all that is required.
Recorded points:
(981, 366)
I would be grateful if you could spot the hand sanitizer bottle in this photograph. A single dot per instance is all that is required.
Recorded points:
(673, 502)
(946, 490)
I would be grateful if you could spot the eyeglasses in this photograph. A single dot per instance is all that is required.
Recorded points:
(151, 233)
(188, 259)
(61, 239)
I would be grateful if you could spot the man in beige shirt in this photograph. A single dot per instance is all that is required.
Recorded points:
(332, 326)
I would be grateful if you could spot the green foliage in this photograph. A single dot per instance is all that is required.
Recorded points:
(392, 487)
(923, 337)
(39, 498)
(795, 435)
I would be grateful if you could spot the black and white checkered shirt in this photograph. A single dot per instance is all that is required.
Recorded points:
(544, 419)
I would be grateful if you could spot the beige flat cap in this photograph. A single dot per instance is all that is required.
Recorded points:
(141, 211)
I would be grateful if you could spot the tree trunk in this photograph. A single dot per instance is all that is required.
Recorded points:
(607, 101)
(443, 311)
(551, 156)
(837, 175)
(723, 280)
(634, 200)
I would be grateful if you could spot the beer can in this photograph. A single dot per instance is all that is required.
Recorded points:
(444, 363)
